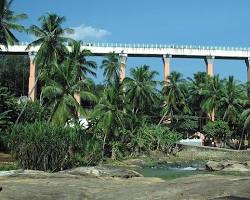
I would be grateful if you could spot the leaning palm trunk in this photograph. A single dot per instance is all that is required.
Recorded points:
(241, 138)
(103, 145)
(25, 105)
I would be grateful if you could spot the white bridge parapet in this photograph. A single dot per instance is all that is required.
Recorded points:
(147, 50)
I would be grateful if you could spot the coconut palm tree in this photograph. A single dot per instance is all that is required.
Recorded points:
(108, 113)
(246, 117)
(141, 88)
(232, 101)
(50, 36)
(60, 92)
(213, 95)
(196, 96)
(78, 57)
(111, 66)
(8, 22)
(196, 87)
(174, 96)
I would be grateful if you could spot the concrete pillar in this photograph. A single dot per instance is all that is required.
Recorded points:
(209, 65)
(123, 59)
(166, 61)
(32, 77)
(247, 60)
(210, 71)
(77, 97)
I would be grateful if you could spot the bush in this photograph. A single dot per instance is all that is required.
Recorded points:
(185, 125)
(218, 129)
(155, 137)
(42, 145)
(88, 152)
(33, 111)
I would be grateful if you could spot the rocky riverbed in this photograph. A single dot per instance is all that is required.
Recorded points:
(88, 184)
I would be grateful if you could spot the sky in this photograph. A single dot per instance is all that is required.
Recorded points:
(187, 22)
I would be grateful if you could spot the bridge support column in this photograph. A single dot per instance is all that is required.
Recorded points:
(209, 65)
(166, 61)
(77, 97)
(209, 68)
(248, 68)
(123, 60)
(32, 77)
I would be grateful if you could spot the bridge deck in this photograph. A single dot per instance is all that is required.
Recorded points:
(100, 49)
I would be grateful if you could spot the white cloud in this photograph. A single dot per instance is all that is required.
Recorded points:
(88, 33)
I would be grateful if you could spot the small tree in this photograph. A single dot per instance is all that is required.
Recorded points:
(219, 129)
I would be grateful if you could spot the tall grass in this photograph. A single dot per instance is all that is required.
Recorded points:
(42, 145)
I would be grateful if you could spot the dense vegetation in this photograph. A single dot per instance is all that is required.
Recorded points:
(125, 118)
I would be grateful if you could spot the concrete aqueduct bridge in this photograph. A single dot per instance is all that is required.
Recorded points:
(166, 52)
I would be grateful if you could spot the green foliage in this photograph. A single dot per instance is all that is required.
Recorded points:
(213, 94)
(42, 145)
(7, 167)
(8, 108)
(155, 137)
(174, 92)
(140, 89)
(14, 73)
(246, 117)
(185, 124)
(51, 38)
(8, 22)
(88, 152)
(217, 128)
(232, 101)
(111, 68)
(60, 91)
(34, 111)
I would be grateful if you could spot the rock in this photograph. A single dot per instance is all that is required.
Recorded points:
(236, 167)
(227, 166)
(214, 166)
(135, 162)
(248, 163)
(100, 171)
(67, 188)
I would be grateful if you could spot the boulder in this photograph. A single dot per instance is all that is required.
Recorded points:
(214, 166)
(101, 171)
(236, 168)
(227, 166)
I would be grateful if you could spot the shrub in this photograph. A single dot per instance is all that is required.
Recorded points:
(33, 111)
(155, 137)
(185, 125)
(217, 128)
(42, 145)
(88, 152)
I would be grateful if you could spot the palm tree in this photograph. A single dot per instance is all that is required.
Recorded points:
(141, 88)
(212, 96)
(51, 38)
(246, 117)
(8, 22)
(111, 66)
(60, 92)
(78, 58)
(196, 90)
(109, 114)
(232, 101)
(196, 96)
(174, 96)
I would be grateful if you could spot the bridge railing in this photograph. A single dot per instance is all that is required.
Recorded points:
(173, 46)
(158, 46)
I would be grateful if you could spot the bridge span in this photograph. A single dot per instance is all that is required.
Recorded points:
(166, 52)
